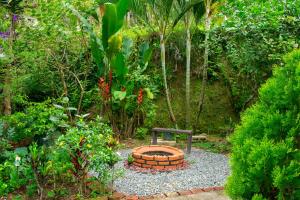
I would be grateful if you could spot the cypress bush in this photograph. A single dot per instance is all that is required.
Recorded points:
(265, 158)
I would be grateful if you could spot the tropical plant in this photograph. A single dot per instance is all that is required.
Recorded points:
(122, 83)
(265, 153)
(187, 10)
(157, 15)
(89, 147)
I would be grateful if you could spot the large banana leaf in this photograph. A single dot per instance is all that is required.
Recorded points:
(113, 19)
(109, 27)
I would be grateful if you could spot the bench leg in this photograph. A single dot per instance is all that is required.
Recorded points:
(189, 143)
(154, 138)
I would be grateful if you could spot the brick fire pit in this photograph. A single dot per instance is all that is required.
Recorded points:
(158, 157)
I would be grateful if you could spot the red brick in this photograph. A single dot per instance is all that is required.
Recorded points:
(185, 192)
(146, 166)
(170, 167)
(176, 162)
(132, 197)
(137, 164)
(175, 157)
(172, 194)
(145, 157)
(139, 161)
(208, 189)
(146, 197)
(158, 167)
(161, 158)
(217, 188)
(164, 163)
(151, 162)
(116, 196)
(135, 155)
(197, 190)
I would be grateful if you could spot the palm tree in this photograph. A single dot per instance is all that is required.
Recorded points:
(157, 14)
(208, 5)
(201, 8)
(189, 10)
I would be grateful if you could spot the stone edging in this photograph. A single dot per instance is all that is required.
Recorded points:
(122, 196)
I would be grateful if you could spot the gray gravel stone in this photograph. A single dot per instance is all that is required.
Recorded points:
(206, 170)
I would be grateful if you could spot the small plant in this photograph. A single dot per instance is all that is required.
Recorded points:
(130, 159)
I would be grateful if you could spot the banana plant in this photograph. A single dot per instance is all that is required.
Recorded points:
(122, 94)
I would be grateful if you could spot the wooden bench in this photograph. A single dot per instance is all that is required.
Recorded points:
(155, 131)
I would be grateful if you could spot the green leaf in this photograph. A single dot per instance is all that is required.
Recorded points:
(109, 23)
(149, 93)
(145, 53)
(118, 64)
(97, 53)
(122, 8)
(119, 95)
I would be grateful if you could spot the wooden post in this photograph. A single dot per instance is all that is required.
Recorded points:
(154, 138)
(189, 143)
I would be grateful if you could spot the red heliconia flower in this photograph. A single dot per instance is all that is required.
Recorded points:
(101, 83)
(140, 96)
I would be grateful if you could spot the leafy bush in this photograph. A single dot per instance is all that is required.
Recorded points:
(141, 133)
(34, 121)
(87, 148)
(265, 154)
(15, 172)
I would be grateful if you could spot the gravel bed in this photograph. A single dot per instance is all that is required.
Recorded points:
(206, 170)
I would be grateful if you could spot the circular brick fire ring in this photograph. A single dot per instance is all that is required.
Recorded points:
(158, 157)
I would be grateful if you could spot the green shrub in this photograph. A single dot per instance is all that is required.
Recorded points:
(34, 121)
(265, 154)
(88, 148)
(141, 133)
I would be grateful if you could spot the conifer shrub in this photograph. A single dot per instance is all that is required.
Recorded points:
(265, 158)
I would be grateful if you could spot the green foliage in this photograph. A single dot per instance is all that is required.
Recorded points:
(15, 172)
(265, 153)
(34, 121)
(88, 147)
(254, 37)
(130, 159)
(141, 133)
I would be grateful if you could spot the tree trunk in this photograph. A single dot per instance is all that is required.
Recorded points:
(188, 73)
(7, 94)
(7, 78)
(206, 53)
(163, 64)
